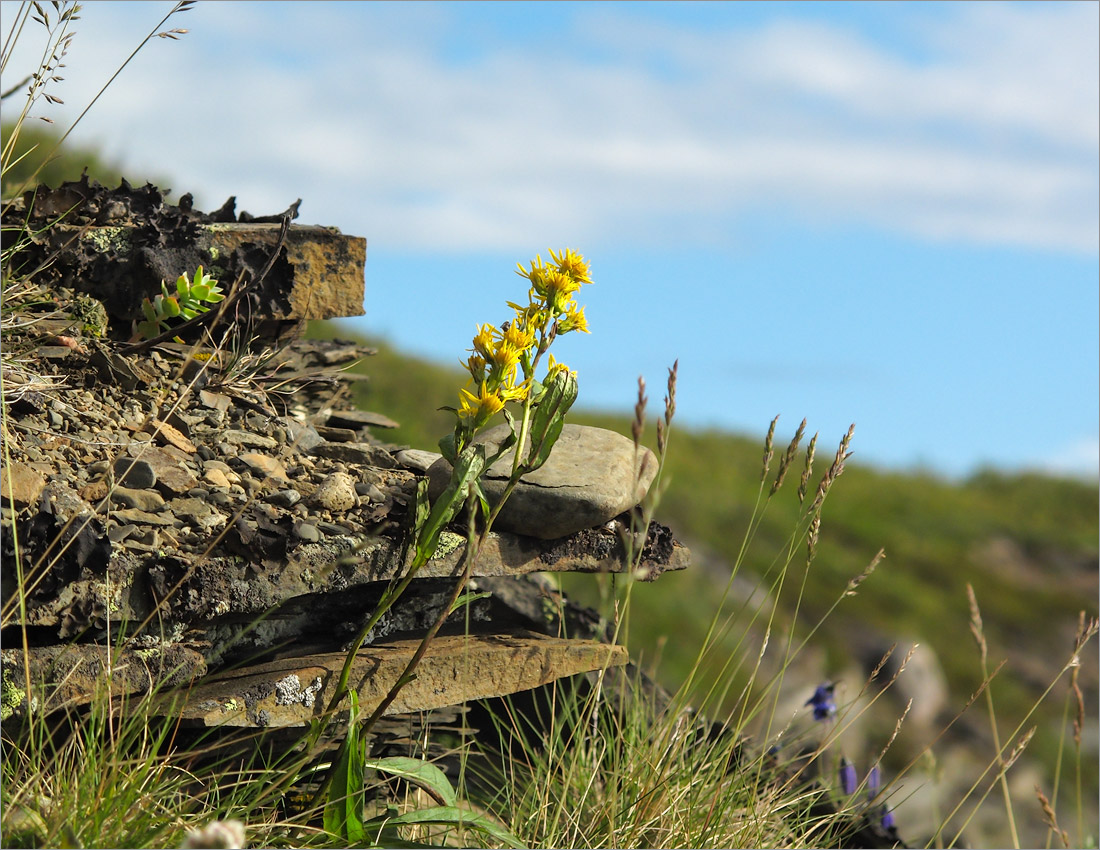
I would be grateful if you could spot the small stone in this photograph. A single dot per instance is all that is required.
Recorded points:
(336, 492)
(197, 512)
(591, 476)
(165, 433)
(360, 418)
(302, 437)
(20, 485)
(263, 465)
(143, 517)
(95, 491)
(306, 532)
(171, 474)
(142, 500)
(416, 459)
(284, 498)
(215, 401)
(247, 438)
(334, 528)
(120, 532)
(358, 453)
(216, 479)
(337, 435)
(135, 474)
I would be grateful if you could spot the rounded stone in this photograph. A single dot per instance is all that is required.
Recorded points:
(591, 476)
(135, 474)
(336, 492)
(306, 532)
(284, 498)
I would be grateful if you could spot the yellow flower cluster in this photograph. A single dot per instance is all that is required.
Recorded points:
(502, 361)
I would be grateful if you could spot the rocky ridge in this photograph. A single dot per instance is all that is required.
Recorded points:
(223, 507)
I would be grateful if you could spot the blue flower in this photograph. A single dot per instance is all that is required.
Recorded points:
(823, 702)
(874, 783)
(848, 778)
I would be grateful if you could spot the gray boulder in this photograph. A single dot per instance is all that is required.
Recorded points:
(592, 476)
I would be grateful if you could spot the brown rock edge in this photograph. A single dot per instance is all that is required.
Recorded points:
(455, 668)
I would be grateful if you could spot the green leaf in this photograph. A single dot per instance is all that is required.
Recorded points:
(181, 286)
(549, 417)
(470, 465)
(169, 307)
(422, 506)
(468, 599)
(453, 816)
(447, 444)
(419, 772)
(148, 310)
(343, 815)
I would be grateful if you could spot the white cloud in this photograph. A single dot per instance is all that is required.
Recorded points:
(1079, 459)
(991, 138)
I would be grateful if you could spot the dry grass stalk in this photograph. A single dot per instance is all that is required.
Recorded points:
(1049, 818)
(768, 450)
(807, 470)
(1018, 750)
(811, 538)
(637, 427)
(788, 456)
(976, 627)
(670, 410)
(836, 469)
(854, 583)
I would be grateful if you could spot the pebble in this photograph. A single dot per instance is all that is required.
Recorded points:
(216, 479)
(263, 465)
(336, 492)
(306, 532)
(136, 474)
(247, 438)
(285, 498)
(142, 500)
(416, 460)
(20, 485)
(358, 453)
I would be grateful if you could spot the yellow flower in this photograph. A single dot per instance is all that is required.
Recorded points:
(572, 264)
(555, 367)
(485, 341)
(538, 268)
(514, 392)
(479, 409)
(558, 287)
(517, 338)
(475, 365)
(573, 320)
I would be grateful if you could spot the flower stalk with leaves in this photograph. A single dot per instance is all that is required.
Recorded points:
(503, 367)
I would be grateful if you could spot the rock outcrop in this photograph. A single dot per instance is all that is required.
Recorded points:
(222, 521)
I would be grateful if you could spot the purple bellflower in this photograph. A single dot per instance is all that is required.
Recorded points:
(823, 702)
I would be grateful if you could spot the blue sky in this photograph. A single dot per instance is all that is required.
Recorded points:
(880, 213)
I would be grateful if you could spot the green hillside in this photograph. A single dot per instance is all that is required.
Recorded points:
(1026, 543)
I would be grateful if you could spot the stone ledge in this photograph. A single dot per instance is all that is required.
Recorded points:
(455, 668)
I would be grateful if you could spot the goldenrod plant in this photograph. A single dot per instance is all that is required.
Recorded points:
(503, 368)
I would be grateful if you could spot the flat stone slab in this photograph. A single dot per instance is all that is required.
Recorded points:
(71, 674)
(293, 691)
(591, 476)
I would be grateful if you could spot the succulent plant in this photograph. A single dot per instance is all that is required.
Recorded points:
(191, 298)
